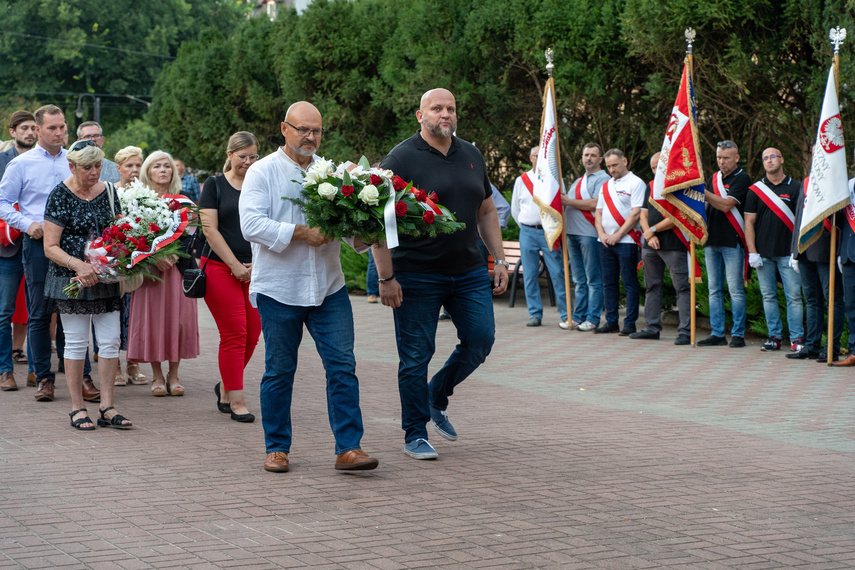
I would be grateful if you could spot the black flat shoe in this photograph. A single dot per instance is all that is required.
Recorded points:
(243, 418)
(224, 408)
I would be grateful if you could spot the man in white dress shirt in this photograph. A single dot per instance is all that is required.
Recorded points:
(297, 280)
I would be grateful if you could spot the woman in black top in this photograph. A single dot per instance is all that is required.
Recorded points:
(78, 210)
(228, 266)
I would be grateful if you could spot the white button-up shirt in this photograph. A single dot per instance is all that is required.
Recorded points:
(290, 272)
(28, 181)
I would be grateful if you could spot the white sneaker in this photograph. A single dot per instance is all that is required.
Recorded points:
(564, 325)
(587, 326)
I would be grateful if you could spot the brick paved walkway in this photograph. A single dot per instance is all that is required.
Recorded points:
(576, 451)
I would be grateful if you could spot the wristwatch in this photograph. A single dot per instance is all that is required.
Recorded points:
(653, 228)
(502, 262)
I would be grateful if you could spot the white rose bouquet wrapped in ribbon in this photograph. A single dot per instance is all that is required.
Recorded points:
(371, 203)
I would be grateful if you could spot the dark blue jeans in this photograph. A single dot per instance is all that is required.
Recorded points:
(814, 277)
(11, 271)
(331, 327)
(372, 287)
(618, 262)
(468, 299)
(38, 323)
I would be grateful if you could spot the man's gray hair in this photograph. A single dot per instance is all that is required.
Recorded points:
(85, 124)
(615, 152)
(534, 150)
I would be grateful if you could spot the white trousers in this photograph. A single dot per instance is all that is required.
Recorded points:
(107, 330)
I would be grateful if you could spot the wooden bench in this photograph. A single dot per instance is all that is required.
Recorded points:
(512, 256)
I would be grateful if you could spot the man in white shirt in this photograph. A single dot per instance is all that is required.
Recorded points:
(580, 201)
(297, 280)
(532, 244)
(617, 215)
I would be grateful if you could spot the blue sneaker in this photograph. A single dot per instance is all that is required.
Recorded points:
(439, 419)
(420, 449)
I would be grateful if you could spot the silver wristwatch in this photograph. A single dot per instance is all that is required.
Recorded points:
(502, 262)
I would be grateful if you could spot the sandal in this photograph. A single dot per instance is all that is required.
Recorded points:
(117, 421)
(18, 356)
(121, 379)
(158, 390)
(80, 422)
(136, 378)
(175, 389)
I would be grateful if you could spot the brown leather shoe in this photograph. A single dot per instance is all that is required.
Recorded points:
(848, 361)
(276, 462)
(31, 380)
(45, 391)
(7, 382)
(355, 460)
(90, 392)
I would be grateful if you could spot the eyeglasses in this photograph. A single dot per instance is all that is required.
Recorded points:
(304, 132)
(80, 145)
(770, 157)
(92, 137)
(725, 144)
(247, 157)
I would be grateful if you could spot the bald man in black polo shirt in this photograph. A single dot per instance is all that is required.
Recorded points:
(422, 275)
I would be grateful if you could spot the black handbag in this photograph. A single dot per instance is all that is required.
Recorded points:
(195, 282)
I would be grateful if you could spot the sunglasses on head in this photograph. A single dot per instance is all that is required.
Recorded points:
(80, 145)
(725, 144)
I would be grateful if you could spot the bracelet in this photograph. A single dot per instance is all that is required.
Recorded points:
(387, 279)
(67, 262)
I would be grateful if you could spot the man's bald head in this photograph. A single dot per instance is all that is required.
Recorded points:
(773, 162)
(438, 113)
(302, 110)
(654, 162)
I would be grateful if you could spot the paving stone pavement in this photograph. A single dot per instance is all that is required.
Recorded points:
(576, 451)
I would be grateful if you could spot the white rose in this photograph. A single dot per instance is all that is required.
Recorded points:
(370, 195)
(327, 190)
(311, 177)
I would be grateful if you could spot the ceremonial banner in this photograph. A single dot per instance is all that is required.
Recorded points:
(678, 188)
(827, 189)
(547, 180)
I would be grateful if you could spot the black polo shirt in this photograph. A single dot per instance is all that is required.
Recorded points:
(460, 182)
(721, 232)
(772, 237)
(668, 240)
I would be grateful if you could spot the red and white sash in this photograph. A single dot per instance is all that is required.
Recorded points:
(774, 203)
(618, 217)
(528, 183)
(734, 217)
(850, 209)
(581, 193)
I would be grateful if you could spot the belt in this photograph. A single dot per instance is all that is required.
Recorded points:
(537, 227)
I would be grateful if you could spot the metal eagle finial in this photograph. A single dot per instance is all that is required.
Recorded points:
(690, 38)
(549, 66)
(837, 35)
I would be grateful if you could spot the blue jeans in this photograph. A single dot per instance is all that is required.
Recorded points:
(331, 327)
(38, 323)
(532, 244)
(726, 263)
(584, 256)
(814, 277)
(792, 291)
(372, 287)
(468, 300)
(620, 261)
(11, 271)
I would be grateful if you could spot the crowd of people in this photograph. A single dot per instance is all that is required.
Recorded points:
(269, 273)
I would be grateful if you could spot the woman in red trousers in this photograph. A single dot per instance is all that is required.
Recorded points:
(228, 266)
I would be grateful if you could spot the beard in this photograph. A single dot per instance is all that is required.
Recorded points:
(303, 151)
(438, 130)
(26, 143)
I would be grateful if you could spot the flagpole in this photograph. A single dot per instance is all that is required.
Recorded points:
(836, 35)
(549, 67)
(690, 37)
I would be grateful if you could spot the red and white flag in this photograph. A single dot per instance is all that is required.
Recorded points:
(548, 186)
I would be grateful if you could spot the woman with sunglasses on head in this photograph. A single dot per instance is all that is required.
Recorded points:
(228, 266)
(163, 324)
(78, 210)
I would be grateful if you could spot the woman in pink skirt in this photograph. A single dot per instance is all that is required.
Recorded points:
(163, 323)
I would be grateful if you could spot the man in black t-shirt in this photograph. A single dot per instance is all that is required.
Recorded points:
(725, 195)
(422, 275)
(769, 221)
(662, 247)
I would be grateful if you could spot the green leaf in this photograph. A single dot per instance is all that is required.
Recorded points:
(363, 162)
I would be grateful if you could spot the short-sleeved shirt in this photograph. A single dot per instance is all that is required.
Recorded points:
(81, 221)
(228, 216)
(668, 240)
(772, 237)
(577, 223)
(721, 232)
(460, 182)
(626, 193)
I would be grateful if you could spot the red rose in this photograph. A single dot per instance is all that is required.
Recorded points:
(125, 227)
(122, 250)
(421, 195)
(428, 217)
(433, 197)
(174, 205)
(121, 237)
(398, 183)
(375, 180)
(347, 190)
(153, 228)
(138, 220)
(401, 209)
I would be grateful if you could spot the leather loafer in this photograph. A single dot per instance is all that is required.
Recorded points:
(606, 329)
(683, 340)
(713, 340)
(645, 334)
(90, 392)
(276, 462)
(848, 361)
(45, 391)
(626, 331)
(7, 382)
(247, 418)
(31, 380)
(803, 354)
(355, 460)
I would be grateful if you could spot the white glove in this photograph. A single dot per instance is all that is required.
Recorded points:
(754, 260)
(840, 264)
(794, 264)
